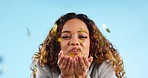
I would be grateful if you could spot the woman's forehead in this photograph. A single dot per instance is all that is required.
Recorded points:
(75, 25)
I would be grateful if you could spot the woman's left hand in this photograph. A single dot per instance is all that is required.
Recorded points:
(81, 66)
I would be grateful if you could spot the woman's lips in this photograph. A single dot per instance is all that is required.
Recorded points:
(74, 52)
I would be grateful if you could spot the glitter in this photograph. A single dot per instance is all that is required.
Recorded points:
(81, 41)
(59, 39)
(73, 54)
(105, 27)
(28, 32)
(55, 28)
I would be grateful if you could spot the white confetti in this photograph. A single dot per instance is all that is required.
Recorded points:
(104, 26)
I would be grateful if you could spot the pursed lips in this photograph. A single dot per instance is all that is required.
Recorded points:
(75, 50)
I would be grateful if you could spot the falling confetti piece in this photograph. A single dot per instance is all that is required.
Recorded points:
(55, 28)
(105, 27)
(4, 69)
(1, 59)
(59, 39)
(108, 30)
(28, 32)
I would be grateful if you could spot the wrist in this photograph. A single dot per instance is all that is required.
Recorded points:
(66, 76)
(81, 76)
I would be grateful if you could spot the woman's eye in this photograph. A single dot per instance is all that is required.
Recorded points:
(82, 37)
(65, 37)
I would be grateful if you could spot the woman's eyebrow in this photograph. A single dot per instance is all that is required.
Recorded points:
(65, 32)
(82, 31)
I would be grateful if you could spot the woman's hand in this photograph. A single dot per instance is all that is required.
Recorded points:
(81, 66)
(65, 64)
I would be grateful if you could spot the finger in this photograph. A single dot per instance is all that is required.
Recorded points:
(81, 62)
(86, 61)
(76, 63)
(60, 54)
(64, 61)
(90, 59)
(60, 60)
(60, 57)
(70, 64)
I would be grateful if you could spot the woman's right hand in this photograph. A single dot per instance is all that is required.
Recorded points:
(65, 64)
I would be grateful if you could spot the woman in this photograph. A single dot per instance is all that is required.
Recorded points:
(75, 48)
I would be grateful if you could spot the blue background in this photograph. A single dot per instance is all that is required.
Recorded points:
(24, 24)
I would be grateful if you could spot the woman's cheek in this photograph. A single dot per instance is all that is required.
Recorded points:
(63, 46)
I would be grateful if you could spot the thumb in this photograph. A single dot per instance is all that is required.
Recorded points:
(60, 54)
(90, 59)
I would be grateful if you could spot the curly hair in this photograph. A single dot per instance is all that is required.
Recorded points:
(101, 49)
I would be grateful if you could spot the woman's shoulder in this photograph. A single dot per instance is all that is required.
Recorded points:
(102, 70)
(106, 65)
(41, 71)
(106, 70)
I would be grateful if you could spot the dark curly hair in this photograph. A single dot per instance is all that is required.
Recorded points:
(101, 49)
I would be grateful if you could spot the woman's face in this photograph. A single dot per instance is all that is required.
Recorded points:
(75, 38)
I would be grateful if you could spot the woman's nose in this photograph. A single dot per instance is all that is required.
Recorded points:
(74, 43)
(74, 40)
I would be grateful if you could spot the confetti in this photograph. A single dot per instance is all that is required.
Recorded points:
(59, 39)
(1, 59)
(73, 54)
(4, 69)
(28, 32)
(55, 28)
(105, 27)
